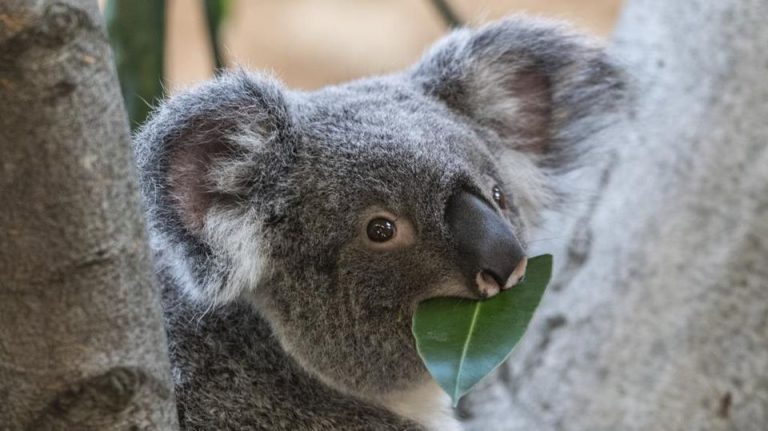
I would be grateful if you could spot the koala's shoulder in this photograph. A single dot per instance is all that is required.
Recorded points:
(227, 360)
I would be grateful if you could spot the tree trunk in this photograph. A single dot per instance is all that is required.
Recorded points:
(81, 338)
(659, 319)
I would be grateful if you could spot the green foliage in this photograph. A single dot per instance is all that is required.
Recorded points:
(461, 341)
(137, 35)
(447, 13)
(215, 13)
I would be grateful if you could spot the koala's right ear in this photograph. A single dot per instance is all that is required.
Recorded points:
(196, 158)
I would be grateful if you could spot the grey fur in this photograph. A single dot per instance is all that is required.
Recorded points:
(255, 196)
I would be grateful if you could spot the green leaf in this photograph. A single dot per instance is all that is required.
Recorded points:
(462, 340)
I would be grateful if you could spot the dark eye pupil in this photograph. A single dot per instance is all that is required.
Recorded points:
(380, 230)
(498, 196)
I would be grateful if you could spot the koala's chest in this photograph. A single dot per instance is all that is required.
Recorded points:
(425, 404)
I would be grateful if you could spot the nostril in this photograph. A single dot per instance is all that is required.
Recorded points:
(517, 275)
(487, 285)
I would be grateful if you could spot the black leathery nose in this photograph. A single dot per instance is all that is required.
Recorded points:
(482, 237)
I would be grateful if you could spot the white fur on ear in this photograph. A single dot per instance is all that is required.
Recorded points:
(228, 175)
(516, 101)
(234, 265)
(234, 237)
(200, 156)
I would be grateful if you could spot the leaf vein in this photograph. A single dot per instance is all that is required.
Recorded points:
(464, 351)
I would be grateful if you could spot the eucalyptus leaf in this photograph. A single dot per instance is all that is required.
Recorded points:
(462, 340)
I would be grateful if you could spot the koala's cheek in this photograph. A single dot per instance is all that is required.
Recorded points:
(390, 284)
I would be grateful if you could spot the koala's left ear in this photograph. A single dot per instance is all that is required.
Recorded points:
(207, 158)
(536, 84)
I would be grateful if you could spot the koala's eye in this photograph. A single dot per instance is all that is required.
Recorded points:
(498, 197)
(381, 229)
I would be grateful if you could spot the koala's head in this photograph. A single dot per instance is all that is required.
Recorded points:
(336, 211)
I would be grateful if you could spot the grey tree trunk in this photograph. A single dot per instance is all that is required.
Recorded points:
(81, 338)
(659, 318)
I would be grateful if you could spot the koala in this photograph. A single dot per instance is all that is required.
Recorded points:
(296, 231)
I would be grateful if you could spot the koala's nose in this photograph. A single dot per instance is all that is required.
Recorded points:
(489, 252)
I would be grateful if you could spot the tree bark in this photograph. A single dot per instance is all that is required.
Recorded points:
(81, 338)
(659, 318)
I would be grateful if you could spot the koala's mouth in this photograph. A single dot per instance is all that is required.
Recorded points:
(483, 285)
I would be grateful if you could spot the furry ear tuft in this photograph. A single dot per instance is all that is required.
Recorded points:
(535, 83)
(196, 158)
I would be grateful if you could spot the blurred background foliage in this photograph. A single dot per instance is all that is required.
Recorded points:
(163, 45)
(215, 12)
(137, 35)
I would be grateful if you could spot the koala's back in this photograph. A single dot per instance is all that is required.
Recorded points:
(230, 373)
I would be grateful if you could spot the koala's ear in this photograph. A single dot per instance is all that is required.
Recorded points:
(198, 157)
(530, 80)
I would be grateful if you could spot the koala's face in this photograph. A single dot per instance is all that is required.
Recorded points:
(335, 212)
